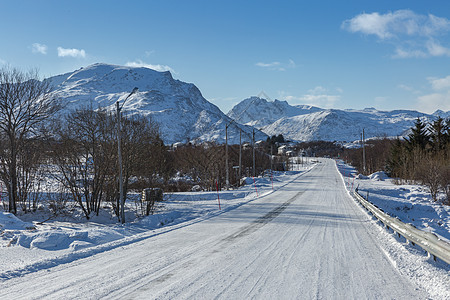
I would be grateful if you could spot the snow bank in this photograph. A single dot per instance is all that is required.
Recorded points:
(61, 240)
(8, 221)
(410, 203)
(380, 176)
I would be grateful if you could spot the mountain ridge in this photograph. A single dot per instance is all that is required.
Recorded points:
(184, 115)
(179, 108)
(306, 123)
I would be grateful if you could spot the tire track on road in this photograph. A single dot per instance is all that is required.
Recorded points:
(261, 221)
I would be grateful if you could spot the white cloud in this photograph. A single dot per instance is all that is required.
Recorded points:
(39, 48)
(398, 23)
(317, 90)
(63, 52)
(140, 64)
(2, 62)
(405, 87)
(436, 49)
(373, 23)
(432, 102)
(438, 99)
(436, 25)
(408, 88)
(402, 53)
(325, 101)
(292, 63)
(413, 35)
(318, 96)
(276, 65)
(440, 83)
(268, 65)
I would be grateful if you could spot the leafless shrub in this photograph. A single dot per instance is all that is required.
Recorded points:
(429, 173)
(25, 103)
(85, 157)
(58, 201)
(445, 181)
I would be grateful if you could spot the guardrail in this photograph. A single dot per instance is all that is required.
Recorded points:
(426, 240)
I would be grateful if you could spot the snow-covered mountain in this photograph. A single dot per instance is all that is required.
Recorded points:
(306, 123)
(179, 108)
(442, 114)
(184, 115)
(259, 112)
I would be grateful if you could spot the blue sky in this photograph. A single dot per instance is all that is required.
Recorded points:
(332, 54)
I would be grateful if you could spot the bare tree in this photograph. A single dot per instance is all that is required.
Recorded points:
(25, 103)
(429, 173)
(143, 150)
(30, 174)
(445, 181)
(203, 163)
(85, 157)
(85, 153)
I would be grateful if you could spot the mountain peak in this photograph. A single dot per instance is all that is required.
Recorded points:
(442, 114)
(370, 109)
(178, 107)
(305, 122)
(259, 112)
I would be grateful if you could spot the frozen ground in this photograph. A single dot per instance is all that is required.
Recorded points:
(308, 237)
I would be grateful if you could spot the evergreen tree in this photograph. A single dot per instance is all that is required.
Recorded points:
(395, 162)
(438, 131)
(280, 139)
(276, 139)
(418, 138)
(447, 132)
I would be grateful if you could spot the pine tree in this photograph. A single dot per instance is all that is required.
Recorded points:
(280, 138)
(438, 131)
(418, 138)
(447, 132)
(395, 162)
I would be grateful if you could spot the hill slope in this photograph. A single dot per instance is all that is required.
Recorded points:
(306, 123)
(179, 108)
(259, 112)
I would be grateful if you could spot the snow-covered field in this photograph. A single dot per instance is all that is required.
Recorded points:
(410, 203)
(27, 245)
(306, 230)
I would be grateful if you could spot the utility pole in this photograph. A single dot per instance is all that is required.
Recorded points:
(227, 177)
(119, 154)
(271, 156)
(240, 153)
(119, 157)
(253, 142)
(240, 140)
(364, 152)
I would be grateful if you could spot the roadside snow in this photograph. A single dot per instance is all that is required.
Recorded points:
(9, 221)
(25, 250)
(27, 246)
(411, 204)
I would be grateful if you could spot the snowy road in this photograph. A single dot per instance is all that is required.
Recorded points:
(308, 240)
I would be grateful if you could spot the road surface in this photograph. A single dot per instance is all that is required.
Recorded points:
(308, 240)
